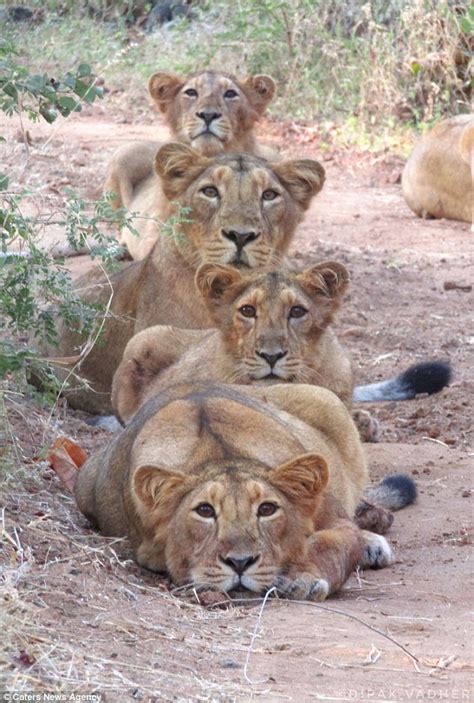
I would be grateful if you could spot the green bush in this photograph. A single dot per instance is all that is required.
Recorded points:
(35, 287)
(381, 62)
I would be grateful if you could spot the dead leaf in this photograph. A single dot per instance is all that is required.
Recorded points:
(66, 457)
(76, 453)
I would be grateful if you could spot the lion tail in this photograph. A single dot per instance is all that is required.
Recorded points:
(427, 377)
(393, 493)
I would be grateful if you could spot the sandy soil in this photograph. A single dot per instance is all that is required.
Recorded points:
(79, 615)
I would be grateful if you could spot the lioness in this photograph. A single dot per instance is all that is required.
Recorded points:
(438, 176)
(271, 327)
(237, 489)
(212, 112)
(241, 210)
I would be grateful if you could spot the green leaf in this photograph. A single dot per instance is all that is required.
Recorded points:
(67, 103)
(48, 113)
(3, 181)
(84, 70)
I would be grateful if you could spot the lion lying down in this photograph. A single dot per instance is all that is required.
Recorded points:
(210, 111)
(438, 177)
(271, 327)
(237, 489)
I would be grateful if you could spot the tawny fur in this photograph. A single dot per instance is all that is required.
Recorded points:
(237, 452)
(438, 177)
(130, 171)
(160, 289)
(161, 356)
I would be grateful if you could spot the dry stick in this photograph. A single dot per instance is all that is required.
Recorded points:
(366, 624)
(337, 612)
(254, 635)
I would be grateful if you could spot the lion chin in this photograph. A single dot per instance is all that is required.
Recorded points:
(208, 143)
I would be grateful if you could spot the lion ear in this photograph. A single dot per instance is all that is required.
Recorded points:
(178, 165)
(302, 480)
(155, 486)
(163, 88)
(213, 280)
(328, 278)
(303, 179)
(260, 91)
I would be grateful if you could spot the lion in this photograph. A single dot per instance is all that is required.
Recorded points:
(438, 176)
(237, 489)
(210, 111)
(271, 327)
(240, 210)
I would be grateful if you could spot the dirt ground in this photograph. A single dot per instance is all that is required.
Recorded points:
(80, 616)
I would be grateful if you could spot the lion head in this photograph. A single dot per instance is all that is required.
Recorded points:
(271, 322)
(233, 523)
(211, 111)
(240, 209)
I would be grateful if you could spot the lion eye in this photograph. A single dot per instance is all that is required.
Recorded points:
(298, 311)
(191, 93)
(266, 509)
(269, 194)
(248, 311)
(205, 510)
(210, 192)
(231, 93)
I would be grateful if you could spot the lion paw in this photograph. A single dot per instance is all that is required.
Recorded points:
(373, 518)
(367, 425)
(304, 587)
(377, 552)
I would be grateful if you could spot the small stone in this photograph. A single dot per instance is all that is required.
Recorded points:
(230, 664)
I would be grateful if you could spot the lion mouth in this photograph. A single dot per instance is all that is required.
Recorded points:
(208, 133)
(239, 264)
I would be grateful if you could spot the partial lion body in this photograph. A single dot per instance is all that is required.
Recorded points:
(130, 174)
(213, 447)
(160, 289)
(162, 356)
(438, 176)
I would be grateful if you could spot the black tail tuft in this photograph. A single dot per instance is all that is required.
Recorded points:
(394, 492)
(427, 377)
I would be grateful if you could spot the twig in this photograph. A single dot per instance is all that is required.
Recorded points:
(254, 635)
(436, 441)
(366, 624)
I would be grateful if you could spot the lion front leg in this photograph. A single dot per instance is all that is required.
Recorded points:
(146, 355)
(331, 556)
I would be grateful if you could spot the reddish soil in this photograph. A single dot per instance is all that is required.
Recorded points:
(81, 616)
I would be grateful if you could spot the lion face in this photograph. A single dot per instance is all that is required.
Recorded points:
(213, 112)
(238, 526)
(271, 322)
(241, 210)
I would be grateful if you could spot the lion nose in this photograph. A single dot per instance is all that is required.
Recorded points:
(272, 358)
(208, 116)
(240, 239)
(239, 564)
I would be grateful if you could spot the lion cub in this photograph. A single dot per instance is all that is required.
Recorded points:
(212, 112)
(272, 327)
(438, 177)
(237, 489)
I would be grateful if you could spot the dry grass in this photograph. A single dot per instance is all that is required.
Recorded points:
(373, 64)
